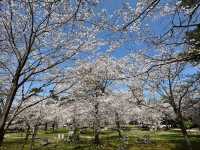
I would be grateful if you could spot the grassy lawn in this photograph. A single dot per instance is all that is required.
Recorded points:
(161, 140)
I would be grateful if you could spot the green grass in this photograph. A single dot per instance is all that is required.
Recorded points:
(161, 140)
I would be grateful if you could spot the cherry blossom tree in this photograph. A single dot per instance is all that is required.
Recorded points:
(94, 82)
(120, 111)
(168, 83)
(37, 37)
(52, 114)
(174, 87)
(31, 119)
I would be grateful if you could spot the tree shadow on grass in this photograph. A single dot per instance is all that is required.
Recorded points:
(179, 142)
(183, 146)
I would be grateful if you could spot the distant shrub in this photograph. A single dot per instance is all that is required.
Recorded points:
(188, 124)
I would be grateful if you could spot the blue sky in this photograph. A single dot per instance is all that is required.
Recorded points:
(110, 6)
(157, 26)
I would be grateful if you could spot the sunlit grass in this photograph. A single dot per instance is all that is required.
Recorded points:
(161, 140)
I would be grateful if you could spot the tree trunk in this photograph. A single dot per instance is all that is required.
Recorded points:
(33, 137)
(96, 137)
(75, 136)
(180, 120)
(117, 121)
(119, 133)
(6, 110)
(53, 126)
(11, 95)
(1, 137)
(56, 125)
(186, 137)
(184, 131)
(26, 136)
(96, 125)
(45, 126)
